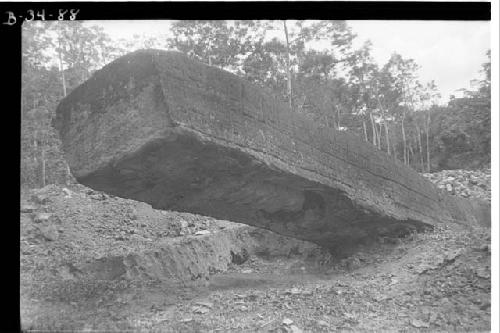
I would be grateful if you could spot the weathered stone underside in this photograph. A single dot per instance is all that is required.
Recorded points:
(157, 127)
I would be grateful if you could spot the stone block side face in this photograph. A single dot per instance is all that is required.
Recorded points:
(468, 211)
(229, 111)
(112, 115)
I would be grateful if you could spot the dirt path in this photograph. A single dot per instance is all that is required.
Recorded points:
(436, 281)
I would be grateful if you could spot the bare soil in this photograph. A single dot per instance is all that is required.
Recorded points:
(90, 261)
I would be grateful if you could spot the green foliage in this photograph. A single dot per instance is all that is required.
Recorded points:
(40, 148)
(461, 134)
(213, 42)
(317, 64)
(485, 88)
(56, 58)
(81, 50)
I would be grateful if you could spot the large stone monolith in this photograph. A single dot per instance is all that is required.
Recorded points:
(158, 127)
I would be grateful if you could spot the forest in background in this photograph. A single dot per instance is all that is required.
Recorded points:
(335, 85)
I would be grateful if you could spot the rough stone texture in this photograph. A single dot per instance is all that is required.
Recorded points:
(158, 127)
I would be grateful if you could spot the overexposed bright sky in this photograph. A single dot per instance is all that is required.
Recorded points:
(449, 52)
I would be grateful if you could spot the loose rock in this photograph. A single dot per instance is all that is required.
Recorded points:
(463, 183)
(42, 217)
(28, 208)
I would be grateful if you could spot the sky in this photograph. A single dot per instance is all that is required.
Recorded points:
(449, 52)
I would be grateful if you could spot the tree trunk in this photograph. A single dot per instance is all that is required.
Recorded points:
(374, 130)
(410, 153)
(288, 69)
(338, 117)
(387, 138)
(404, 137)
(35, 146)
(68, 174)
(428, 123)
(302, 103)
(43, 166)
(379, 134)
(419, 139)
(364, 130)
(62, 70)
(82, 64)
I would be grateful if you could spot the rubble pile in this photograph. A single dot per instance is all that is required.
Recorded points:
(464, 183)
